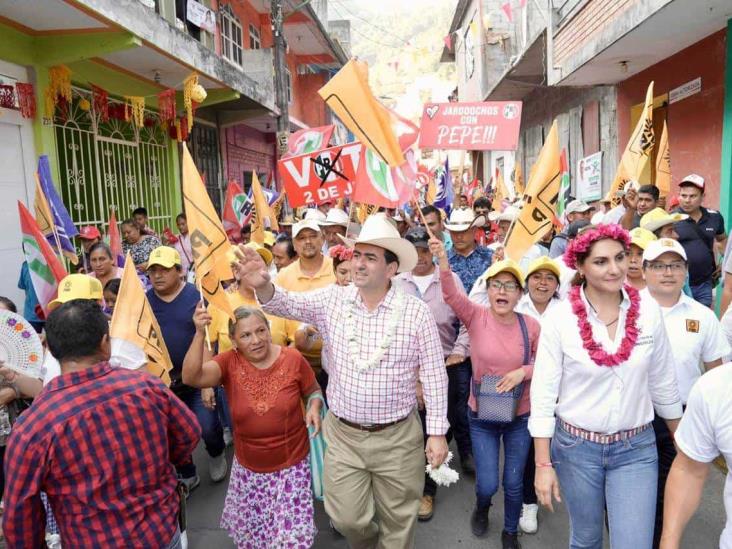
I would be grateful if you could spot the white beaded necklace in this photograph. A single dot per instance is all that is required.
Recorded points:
(354, 349)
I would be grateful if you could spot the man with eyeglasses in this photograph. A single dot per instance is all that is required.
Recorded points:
(695, 335)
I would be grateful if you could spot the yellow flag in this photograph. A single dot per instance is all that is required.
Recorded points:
(262, 211)
(44, 217)
(133, 321)
(365, 210)
(540, 200)
(209, 242)
(349, 96)
(518, 180)
(637, 152)
(500, 193)
(663, 163)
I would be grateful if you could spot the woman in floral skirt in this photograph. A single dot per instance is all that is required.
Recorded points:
(269, 501)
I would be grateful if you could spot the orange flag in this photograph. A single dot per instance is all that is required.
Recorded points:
(500, 193)
(349, 96)
(518, 180)
(663, 163)
(209, 242)
(262, 211)
(134, 321)
(540, 200)
(637, 152)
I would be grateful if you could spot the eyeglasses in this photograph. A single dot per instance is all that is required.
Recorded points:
(675, 267)
(497, 285)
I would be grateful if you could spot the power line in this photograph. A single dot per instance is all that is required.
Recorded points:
(392, 46)
(341, 5)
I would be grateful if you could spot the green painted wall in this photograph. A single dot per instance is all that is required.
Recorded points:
(725, 174)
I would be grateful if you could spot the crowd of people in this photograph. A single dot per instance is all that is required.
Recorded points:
(386, 341)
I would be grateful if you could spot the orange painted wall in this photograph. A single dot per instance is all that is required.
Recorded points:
(307, 106)
(694, 123)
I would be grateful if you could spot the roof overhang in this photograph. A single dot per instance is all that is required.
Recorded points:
(526, 74)
(641, 39)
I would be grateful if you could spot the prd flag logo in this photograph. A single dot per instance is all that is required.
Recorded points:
(380, 176)
(308, 142)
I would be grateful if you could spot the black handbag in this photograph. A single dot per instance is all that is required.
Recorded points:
(500, 407)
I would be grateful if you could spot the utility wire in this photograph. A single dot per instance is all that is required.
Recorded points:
(342, 6)
(363, 35)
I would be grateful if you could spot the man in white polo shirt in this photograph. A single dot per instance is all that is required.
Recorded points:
(695, 335)
(705, 432)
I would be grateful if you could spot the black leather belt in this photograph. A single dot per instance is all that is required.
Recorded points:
(371, 428)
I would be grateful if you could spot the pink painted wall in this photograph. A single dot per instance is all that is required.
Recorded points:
(247, 149)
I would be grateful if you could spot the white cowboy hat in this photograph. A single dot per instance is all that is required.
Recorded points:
(314, 214)
(379, 231)
(463, 219)
(336, 216)
(509, 214)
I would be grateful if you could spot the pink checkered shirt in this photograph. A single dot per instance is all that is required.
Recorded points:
(387, 392)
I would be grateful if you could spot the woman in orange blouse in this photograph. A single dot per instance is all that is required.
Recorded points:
(269, 502)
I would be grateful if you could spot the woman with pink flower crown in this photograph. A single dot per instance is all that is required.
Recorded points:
(603, 364)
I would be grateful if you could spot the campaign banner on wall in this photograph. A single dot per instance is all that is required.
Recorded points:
(486, 126)
(589, 177)
(320, 176)
(201, 16)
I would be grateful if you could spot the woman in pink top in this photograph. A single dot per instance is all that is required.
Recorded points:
(496, 348)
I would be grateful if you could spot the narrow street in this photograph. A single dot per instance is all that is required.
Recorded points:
(449, 528)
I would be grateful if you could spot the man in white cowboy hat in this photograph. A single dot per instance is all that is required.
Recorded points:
(467, 259)
(379, 342)
(336, 223)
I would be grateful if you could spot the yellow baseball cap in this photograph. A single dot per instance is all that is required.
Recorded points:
(505, 266)
(658, 217)
(77, 286)
(269, 238)
(165, 256)
(641, 237)
(544, 263)
(263, 252)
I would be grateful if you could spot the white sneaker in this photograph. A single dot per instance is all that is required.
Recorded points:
(218, 467)
(529, 522)
(191, 484)
(228, 437)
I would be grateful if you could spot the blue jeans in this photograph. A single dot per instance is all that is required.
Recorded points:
(213, 433)
(621, 476)
(222, 407)
(486, 438)
(458, 391)
(703, 293)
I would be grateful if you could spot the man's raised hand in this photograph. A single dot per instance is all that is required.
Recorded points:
(251, 268)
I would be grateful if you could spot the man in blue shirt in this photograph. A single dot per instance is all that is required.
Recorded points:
(433, 217)
(467, 259)
(173, 302)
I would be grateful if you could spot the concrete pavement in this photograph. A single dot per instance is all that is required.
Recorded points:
(449, 528)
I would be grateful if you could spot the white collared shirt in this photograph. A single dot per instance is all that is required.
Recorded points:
(705, 430)
(695, 336)
(602, 399)
(526, 306)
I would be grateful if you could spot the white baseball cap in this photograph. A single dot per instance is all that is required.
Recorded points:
(694, 179)
(314, 214)
(657, 248)
(336, 216)
(577, 206)
(305, 224)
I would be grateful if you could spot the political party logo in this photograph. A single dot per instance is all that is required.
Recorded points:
(308, 142)
(242, 207)
(379, 175)
(510, 111)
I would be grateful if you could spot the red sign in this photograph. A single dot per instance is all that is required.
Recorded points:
(489, 126)
(320, 176)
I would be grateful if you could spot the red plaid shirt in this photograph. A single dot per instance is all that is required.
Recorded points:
(102, 443)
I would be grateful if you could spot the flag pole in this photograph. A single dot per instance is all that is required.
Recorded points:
(421, 217)
(208, 336)
(350, 213)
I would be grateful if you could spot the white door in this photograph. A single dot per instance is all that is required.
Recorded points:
(17, 161)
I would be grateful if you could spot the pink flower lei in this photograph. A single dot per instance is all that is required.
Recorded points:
(585, 239)
(598, 355)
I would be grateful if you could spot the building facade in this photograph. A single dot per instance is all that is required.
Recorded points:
(588, 63)
(102, 161)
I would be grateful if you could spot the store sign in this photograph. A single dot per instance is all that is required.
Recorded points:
(487, 126)
(320, 176)
(589, 178)
(684, 91)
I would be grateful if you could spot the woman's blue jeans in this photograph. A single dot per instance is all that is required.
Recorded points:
(486, 438)
(621, 476)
